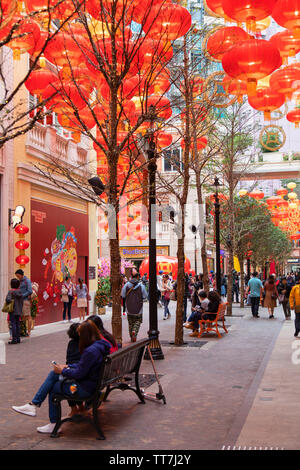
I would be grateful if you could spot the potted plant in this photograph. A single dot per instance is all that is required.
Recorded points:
(102, 295)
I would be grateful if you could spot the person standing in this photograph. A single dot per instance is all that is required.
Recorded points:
(271, 294)
(166, 289)
(67, 291)
(255, 287)
(284, 290)
(134, 293)
(295, 305)
(26, 289)
(82, 297)
(159, 287)
(15, 295)
(235, 287)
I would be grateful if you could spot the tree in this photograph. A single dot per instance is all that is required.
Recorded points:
(110, 79)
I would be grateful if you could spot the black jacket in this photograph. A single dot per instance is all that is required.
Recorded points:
(73, 354)
(287, 288)
(17, 296)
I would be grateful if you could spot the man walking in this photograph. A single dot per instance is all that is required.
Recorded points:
(134, 293)
(255, 288)
(295, 305)
(26, 289)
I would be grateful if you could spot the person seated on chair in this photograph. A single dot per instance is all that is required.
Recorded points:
(84, 375)
(104, 333)
(199, 306)
(209, 313)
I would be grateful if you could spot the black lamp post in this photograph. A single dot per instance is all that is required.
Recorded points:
(193, 228)
(153, 332)
(217, 232)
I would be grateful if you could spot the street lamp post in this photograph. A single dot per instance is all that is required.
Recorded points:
(153, 332)
(194, 230)
(217, 232)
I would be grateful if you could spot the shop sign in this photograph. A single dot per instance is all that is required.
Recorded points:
(134, 252)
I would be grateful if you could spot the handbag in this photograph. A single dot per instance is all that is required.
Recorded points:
(167, 295)
(281, 298)
(65, 298)
(8, 308)
(172, 295)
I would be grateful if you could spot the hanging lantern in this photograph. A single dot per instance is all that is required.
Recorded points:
(249, 11)
(21, 229)
(201, 143)
(266, 100)
(169, 20)
(22, 260)
(22, 245)
(291, 185)
(243, 192)
(25, 37)
(38, 80)
(260, 26)
(292, 196)
(63, 50)
(223, 39)
(286, 43)
(250, 61)
(285, 80)
(216, 6)
(287, 14)
(294, 116)
(163, 139)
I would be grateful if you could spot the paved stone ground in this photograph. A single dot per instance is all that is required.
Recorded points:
(208, 390)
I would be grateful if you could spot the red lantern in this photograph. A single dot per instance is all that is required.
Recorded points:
(166, 264)
(256, 195)
(22, 244)
(168, 20)
(216, 6)
(250, 61)
(25, 37)
(201, 143)
(294, 116)
(161, 104)
(163, 139)
(21, 229)
(223, 39)
(266, 100)
(281, 192)
(287, 14)
(286, 43)
(285, 80)
(248, 10)
(39, 80)
(63, 50)
(22, 260)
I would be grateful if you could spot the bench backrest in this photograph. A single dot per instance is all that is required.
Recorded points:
(221, 310)
(125, 361)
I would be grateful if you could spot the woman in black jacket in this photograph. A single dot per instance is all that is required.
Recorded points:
(15, 295)
(284, 290)
(213, 306)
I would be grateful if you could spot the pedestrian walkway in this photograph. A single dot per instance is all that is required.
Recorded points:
(210, 385)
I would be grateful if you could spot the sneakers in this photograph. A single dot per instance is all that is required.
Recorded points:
(27, 409)
(47, 429)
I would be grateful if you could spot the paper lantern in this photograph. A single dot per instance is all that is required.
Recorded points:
(281, 192)
(22, 244)
(286, 43)
(22, 260)
(25, 36)
(266, 100)
(285, 80)
(216, 6)
(294, 116)
(250, 61)
(291, 185)
(166, 264)
(287, 14)
(21, 229)
(243, 192)
(167, 20)
(39, 80)
(249, 11)
(256, 194)
(234, 87)
(223, 39)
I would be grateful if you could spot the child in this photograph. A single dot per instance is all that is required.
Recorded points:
(15, 294)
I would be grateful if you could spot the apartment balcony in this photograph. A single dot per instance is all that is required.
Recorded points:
(273, 165)
(46, 143)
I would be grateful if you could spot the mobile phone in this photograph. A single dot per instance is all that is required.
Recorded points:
(53, 362)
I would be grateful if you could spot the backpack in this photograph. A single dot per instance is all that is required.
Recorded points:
(134, 300)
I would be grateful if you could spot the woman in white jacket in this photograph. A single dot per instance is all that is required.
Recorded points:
(166, 288)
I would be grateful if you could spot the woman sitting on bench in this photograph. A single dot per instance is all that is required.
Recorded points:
(84, 375)
(209, 313)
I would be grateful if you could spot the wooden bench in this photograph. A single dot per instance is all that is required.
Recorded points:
(212, 325)
(111, 376)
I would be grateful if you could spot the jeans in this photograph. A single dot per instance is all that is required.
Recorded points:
(67, 306)
(194, 318)
(52, 386)
(235, 292)
(297, 323)
(166, 306)
(15, 327)
(286, 308)
(254, 305)
(184, 308)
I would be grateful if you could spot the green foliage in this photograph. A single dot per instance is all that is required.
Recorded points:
(102, 296)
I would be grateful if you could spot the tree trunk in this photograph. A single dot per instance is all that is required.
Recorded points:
(116, 286)
(180, 291)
